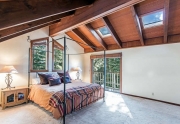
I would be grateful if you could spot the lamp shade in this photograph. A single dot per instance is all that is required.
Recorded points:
(8, 69)
(77, 69)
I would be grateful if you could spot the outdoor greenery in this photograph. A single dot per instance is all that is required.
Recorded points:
(112, 66)
(39, 57)
(58, 59)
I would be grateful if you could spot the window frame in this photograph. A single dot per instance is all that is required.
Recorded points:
(31, 55)
(60, 48)
(103, 36)
(142, 25)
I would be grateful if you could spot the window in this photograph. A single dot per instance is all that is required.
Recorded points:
(39, 55)
(104, 32)
(153, 19)
(57, 56)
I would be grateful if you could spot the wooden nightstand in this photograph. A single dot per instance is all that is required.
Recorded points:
(14, 96)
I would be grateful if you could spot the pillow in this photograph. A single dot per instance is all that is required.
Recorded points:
(35, 81)
(44, 78)
(54, 81)
(61, 74)
(67, 79)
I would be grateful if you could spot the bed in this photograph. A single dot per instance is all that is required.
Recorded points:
(79, 95)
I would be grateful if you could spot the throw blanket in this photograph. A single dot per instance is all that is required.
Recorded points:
(76, 98)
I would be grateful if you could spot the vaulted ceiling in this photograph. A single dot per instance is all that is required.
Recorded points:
(124, 23)
(80, 19)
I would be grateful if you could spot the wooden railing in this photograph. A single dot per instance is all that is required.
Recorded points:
(112, 79)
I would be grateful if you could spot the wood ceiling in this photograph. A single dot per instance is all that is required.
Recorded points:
(79, 19)
(125, 25)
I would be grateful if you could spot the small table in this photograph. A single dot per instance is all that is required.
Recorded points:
(14, 96)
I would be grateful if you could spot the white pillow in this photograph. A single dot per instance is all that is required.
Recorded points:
(35, 81)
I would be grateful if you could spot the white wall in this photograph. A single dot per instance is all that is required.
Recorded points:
(15, 52)
(147, 70)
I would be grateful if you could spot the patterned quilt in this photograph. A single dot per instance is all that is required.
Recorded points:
(76, 98)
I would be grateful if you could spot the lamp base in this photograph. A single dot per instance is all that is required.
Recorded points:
(7, 88)
(8, 81)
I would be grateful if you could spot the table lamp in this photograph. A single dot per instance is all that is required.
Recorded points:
(8, 79)
(78, 69)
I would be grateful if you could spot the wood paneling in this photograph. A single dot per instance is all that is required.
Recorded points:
(174, 18)
(124, 25)
(99, 9)
(109, 40)
(112, 31)
(149, 6)
(13, 13)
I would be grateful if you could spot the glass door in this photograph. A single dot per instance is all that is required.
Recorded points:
(112, 73)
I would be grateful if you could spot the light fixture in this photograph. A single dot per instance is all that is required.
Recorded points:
(8, 79)
(78, 69)
(28, 39)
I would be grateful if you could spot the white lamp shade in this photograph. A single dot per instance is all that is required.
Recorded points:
(77, 69)
(8, 69)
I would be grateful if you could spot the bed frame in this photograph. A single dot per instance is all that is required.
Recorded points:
(64, 69)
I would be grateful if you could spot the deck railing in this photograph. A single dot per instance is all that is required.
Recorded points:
(112, 79)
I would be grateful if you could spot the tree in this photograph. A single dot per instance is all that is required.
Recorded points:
(58, 59)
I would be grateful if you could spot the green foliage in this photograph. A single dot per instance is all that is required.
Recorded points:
(39, 57)
(112, 65)
(58, 59)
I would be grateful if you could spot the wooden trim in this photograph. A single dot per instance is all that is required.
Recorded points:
(60, 47)
(166, 18)
(31, 53)
(112, 31)
(152, 99)
(118, 55)
(138, 26)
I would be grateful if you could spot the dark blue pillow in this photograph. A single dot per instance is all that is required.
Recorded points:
(54, 81)
(68, 80)
(44, 78)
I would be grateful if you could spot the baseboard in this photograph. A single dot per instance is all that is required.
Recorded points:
(152, 99)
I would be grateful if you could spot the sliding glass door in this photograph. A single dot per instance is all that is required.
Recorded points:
(112, 72)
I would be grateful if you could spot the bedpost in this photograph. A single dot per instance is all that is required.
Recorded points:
(29, 69)
(104, 75)
(64, 105)
(68, 62)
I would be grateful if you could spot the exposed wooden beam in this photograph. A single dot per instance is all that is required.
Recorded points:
(99, 9)
(166, 18)
(13, 13)
(27, 30)
(82, 37)
(21, 29)
(138, 26)
(113, 32)
(101, 41)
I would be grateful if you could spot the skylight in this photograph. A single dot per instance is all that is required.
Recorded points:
(153, 19)
(104, 32)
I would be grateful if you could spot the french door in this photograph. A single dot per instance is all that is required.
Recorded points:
(113, 72)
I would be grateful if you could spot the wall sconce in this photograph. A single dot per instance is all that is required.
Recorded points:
(78, 69)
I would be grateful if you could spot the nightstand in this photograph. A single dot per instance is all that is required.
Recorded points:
(13, 97)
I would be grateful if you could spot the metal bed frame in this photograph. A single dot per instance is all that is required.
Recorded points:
(64, 69)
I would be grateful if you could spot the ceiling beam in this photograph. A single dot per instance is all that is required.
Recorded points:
(83, 38)
(138, 25)
(22, 29)
(112, 31)
(94, 33)
(13, 13)
(99, 9)
(166, 18)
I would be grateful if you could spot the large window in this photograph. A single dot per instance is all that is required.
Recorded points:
(39, 55)
(57, 56)
(153, 19)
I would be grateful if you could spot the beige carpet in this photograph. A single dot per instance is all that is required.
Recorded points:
(118, 109)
